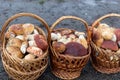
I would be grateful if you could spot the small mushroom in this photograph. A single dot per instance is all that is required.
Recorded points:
(16, 28)
(15, 42)
(29, 57)
(28, 28)
(14, 51)
(59, 47)
(35, 50)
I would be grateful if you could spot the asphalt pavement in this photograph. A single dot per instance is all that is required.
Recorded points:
(50, 11)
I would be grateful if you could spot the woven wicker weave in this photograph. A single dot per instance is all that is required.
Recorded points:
(65, 66)
(20, 69)
(99, 56)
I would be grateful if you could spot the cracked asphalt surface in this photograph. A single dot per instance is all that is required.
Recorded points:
(51, 10)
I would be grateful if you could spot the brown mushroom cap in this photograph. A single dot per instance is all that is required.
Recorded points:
(75, 49)
(97, 37)
(14, 51)
(15, 42)
(59, 47)
(35, 51)
(28, 28)
(17, 29)
(41, 43)
(108, 44)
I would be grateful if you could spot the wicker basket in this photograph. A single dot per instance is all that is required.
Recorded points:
(99, 56)
(21, 69)
(65, 66)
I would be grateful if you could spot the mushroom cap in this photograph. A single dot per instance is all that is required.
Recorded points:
(108, 44)
(75, 49)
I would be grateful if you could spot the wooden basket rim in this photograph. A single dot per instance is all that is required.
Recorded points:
(10, 19)
(96, 22)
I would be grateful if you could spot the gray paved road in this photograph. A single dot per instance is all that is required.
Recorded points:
(50, 10)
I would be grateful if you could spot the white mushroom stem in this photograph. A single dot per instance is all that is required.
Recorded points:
(29, 57)
(32, 43)
(24, 47)
(72, 36)
(83, 41)
(114, 38)
(35, 50)
(111, 58)
(55, 36)
(79, 33)
(35, 31)
(65, 41)
(21, 37)
(30, 37)
(58, 36)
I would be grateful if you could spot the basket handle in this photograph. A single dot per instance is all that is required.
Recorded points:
(103, 17)
(20, 15)
(75, 18)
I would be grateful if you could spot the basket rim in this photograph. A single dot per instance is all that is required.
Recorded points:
(96, 22)
(34, 16)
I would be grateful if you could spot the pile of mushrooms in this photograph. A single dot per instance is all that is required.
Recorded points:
(69, 42)
(25, 42)
(107, 38)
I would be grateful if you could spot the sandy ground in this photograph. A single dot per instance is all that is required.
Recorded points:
(50, 10)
